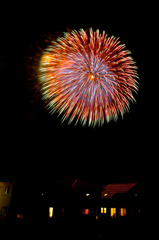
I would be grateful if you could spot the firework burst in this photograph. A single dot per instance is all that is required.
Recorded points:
(88, 77)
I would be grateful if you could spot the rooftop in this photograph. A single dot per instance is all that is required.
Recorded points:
(111, 189)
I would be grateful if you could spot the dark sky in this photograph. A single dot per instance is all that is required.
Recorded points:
(35, 144)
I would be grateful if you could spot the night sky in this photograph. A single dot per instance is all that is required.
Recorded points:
(35, 145)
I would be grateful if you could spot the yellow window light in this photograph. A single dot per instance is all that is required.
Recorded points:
(101, 209)
(122, 212)
(51, 209)
(113, 212)
(105, 210)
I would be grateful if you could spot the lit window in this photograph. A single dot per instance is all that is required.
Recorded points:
(113, 212)
(103, 210)
(51, 212)
(122, 212)
(85, 211)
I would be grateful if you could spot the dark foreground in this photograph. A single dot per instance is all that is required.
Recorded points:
(76, 230)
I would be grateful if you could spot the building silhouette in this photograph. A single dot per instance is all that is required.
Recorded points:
(75, 201)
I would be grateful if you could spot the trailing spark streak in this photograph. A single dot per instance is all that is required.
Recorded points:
(88, 77)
